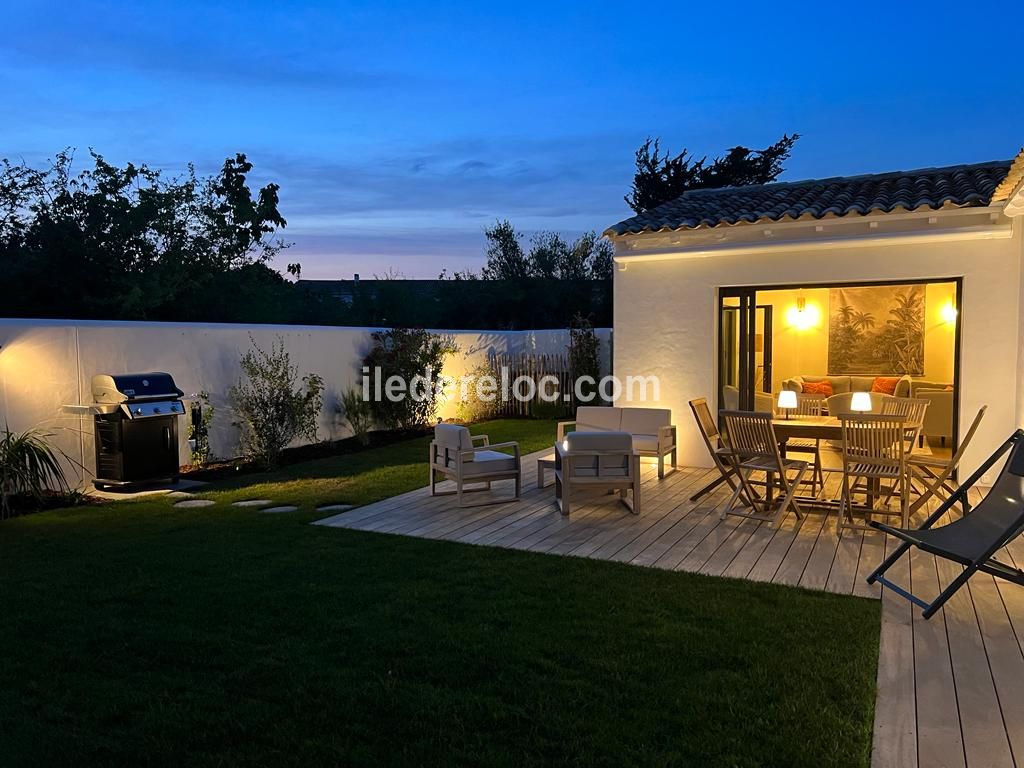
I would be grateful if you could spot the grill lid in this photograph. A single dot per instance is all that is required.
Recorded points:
(132, 387)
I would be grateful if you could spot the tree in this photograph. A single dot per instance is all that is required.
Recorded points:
(128, 242)
(660, 178)
(416, 358)
(550, 256)
(506, 259)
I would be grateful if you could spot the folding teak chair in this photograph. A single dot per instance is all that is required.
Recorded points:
(973, 539)
(809, 405)
(912, 409)
(936, 475)
(720, 455)
(756, 449)
(873, 454)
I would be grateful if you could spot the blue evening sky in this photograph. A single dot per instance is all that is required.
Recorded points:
(397, 131)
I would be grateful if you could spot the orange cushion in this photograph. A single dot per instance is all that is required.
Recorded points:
(818, 388)
(885, 384)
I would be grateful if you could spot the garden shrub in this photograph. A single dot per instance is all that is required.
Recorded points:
(584, 353)
(357, 412)
(416, 357)
(199, 429)
(272, 406)
(472, 407)
(29, 466)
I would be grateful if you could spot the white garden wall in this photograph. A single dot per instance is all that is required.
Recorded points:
(46, 364)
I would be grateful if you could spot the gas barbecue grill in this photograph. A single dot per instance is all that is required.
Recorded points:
(136, 426)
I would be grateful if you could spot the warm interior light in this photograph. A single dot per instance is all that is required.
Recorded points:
(860, 402)
(949, 313)
(787, 399)
(803, 316)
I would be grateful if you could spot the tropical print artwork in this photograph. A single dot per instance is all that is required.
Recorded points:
(876, 330)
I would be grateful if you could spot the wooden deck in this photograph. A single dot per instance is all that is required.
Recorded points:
(950, 690)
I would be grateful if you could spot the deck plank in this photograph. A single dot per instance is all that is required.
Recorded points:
(1005, 657)
(985, 739)
(939, 738)
(895, 733)
(793, 565)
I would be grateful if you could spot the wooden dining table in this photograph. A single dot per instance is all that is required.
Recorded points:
(811, 427)
(815, 428)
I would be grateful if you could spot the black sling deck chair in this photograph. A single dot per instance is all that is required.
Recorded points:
(973, 539)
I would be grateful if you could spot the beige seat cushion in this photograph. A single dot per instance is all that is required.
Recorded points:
(861, 383)
(598, 418)
(924, 384)
(454, 438)
(489, 462)
(645, 421)
(599, 441)
(645, 442)
(730, 397)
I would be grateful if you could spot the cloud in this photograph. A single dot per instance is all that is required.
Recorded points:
(578, 180)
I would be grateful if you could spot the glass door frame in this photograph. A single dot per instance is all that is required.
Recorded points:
(748, 305)
(746, 321)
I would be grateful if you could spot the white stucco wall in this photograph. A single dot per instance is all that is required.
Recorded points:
(45, 364)
(666, 318)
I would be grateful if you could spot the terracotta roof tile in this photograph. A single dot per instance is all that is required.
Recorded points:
(933, 188)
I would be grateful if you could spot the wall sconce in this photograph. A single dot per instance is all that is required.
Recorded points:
(949, 313)
(803, 316)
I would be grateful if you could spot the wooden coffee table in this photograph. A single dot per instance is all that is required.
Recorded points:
(546, 464)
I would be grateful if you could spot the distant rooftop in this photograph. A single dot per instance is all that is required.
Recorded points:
(926, 188)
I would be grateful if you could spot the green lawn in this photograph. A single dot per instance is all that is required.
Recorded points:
(140, 634)
(372, 475)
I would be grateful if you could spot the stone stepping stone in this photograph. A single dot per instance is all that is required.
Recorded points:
(252, 503)
(180, 495)
(272, 510)
(335, 508)
(195, 503)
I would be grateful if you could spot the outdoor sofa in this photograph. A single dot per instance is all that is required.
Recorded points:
(652, 430)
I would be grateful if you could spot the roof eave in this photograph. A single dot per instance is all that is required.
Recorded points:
(971, 223)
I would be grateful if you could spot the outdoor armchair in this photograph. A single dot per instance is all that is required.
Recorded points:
(597, 461)
(456, 456)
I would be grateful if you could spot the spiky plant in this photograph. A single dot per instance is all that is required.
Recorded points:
(28, 467)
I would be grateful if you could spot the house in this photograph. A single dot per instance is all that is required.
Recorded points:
(868, 281)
